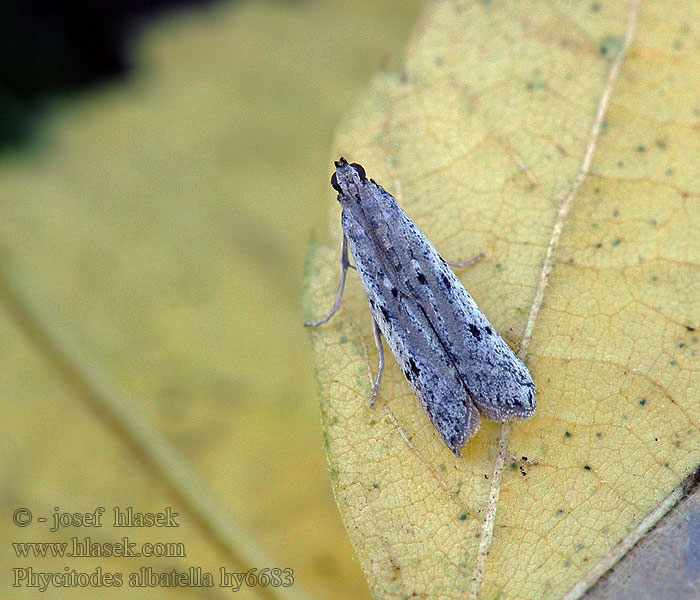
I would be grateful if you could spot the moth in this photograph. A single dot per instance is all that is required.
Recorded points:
(454, 360)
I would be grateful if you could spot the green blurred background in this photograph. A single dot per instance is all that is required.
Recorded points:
(155, 208)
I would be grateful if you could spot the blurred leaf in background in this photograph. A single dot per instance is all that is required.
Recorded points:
(162, 220)
(52, 47)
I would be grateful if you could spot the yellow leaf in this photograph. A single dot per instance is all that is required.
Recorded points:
(160, 221)
(563, 143)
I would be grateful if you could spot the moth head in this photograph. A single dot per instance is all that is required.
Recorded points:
(346, 174)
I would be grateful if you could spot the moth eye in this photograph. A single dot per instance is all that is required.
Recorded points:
(360, 170)
(334, 183)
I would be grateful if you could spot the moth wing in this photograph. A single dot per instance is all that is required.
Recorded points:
(496, 379)
(428, 369)
(498, 382)
(445, 346)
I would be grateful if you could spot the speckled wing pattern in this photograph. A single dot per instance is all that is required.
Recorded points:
(449, 352)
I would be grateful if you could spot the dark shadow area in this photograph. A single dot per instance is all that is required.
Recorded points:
(50, 47)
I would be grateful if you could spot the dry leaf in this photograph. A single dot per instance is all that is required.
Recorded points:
(162, 221)
(562, 141)
(665, 564)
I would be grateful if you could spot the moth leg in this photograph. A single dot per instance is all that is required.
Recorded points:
(380, 366)
(465, 263)
(344, 264)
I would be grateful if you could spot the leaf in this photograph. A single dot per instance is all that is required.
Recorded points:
(665, 564)
(162, 220)
(565, 148)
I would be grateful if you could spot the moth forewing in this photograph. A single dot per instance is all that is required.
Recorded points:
(448, 351)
